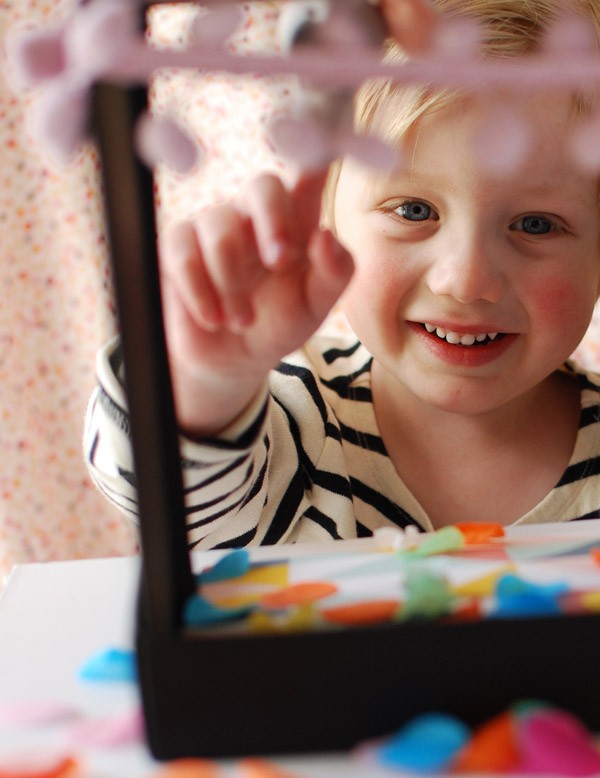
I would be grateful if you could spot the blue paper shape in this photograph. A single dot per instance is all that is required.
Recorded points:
(427, 743)
(517, 597)
(110, 666)
(199, 612)
(511, 584)
(232, 565)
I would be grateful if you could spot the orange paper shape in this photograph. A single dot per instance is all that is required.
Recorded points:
(65, 768)
(476, 532)
(492, 748)
(188, 768)
(298, 594)
(260, 768)
(370, 612)
(595, 552)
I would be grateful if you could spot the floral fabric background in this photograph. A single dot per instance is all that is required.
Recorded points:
(55, 292)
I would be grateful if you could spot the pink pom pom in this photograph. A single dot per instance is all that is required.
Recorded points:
(212, 30)
(60, 117)
(570, 36)
(456, 39)
(371, 151)
(306, 141)
(160, 140)
(100, 36)
(503, 141)
(584, 144)
(34, 57)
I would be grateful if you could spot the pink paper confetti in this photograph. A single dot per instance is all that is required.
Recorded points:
(122, 729)
(33, 712)
(553, 742)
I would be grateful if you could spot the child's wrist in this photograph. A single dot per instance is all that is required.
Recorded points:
(205, 407)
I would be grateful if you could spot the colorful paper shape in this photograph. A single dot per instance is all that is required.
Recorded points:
(427, 743)
(553, 742)
(113, 665)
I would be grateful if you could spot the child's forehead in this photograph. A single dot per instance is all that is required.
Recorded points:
(459, 134)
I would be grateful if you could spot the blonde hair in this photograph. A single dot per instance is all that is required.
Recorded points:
(511, 28)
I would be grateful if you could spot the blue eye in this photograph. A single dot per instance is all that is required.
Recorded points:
(416, 211)
(534, 225)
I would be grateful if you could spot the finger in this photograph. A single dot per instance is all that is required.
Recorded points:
(269, 207)
(330, 271)
(228, 246)
(307, 196)
(181, 262)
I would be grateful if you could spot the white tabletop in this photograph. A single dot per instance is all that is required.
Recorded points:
(53, 618)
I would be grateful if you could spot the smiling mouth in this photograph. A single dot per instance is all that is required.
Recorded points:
(468, 339)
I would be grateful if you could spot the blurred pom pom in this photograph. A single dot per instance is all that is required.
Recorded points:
(212, 30)
(457, 39)
(100, 34)
(503, 141)
(35, 56)
(60, 118)
(370, 151)
(161, 140)
(313, 145)
(584, 144)
(306, 141)
(570, 36)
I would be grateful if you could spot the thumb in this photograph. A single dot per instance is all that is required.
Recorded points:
(329, 272)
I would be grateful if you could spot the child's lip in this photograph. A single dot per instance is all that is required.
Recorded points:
(472, 356)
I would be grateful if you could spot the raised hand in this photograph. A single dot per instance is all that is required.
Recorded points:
(243, 285)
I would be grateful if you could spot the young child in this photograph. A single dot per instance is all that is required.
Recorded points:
(467, 292)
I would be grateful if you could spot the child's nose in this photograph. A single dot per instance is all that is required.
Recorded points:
(468, 269)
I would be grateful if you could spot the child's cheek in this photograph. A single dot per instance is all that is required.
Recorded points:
(563, 304)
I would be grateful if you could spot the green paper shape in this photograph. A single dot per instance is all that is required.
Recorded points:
(440, 542)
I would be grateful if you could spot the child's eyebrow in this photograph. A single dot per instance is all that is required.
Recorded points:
(545, 190)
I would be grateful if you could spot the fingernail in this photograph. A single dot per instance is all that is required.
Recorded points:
(281, 254)
(239, 321)
(275, 253)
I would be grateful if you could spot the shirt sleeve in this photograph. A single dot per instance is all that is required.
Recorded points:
(250, 485)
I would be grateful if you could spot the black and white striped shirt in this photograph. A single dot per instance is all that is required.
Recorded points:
(306, 462)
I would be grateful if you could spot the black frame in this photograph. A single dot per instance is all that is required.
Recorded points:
(232, 696)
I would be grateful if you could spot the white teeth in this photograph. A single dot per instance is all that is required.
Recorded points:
(464, 339)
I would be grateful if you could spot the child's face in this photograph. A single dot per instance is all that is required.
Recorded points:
(445, 246)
